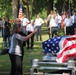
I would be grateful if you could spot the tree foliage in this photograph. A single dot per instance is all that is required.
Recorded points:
(5, 8)
(33, 7)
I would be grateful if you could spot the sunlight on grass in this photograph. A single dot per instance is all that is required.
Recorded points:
(45, 37)
(1, 39)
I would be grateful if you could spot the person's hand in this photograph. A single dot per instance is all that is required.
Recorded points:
(35, 30)
(3, 26)
(48, 27)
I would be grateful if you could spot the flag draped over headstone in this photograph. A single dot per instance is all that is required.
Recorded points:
(64, 47)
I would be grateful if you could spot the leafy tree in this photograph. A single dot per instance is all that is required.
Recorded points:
(10, 8)
(15, 6)
(5, 8)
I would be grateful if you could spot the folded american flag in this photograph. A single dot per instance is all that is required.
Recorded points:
(64, 47)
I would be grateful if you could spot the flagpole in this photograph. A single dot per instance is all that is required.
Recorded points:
(70, 1)
(70, 7)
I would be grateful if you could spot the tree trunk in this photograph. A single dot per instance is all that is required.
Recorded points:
(27, 9)
(15, 8)
(50, 6)
(31, 8)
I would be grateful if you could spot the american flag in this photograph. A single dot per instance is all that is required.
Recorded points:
(51, 45)
(20, 11)
(64, 47)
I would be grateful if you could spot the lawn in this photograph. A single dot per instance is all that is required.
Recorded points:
(29, 55)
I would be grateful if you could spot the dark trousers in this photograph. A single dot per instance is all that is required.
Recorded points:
(69, 30)
(6, 40)
(59, 27)
(54, 30)
(38, 33)
(30, 41)
(16, 64)
(73, 27)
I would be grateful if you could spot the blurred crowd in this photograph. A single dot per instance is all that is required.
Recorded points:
(55, 22)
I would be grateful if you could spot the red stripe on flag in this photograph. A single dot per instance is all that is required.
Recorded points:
(69, 49)
(66, 50)
(20, 11)
(69, 55)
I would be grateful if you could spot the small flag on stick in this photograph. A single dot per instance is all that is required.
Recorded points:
(20, 11)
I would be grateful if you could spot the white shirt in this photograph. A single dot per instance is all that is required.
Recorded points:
(59, 18)
(49, 17)
(25, 21)
(68, 22)
(53, 22)
(38, 22)
(73, 18)
(16, 44)
(30, 28)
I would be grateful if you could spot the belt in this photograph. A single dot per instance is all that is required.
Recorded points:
(54, 27)
(74, 23)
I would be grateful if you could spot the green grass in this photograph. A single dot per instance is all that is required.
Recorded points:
(29, 55)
